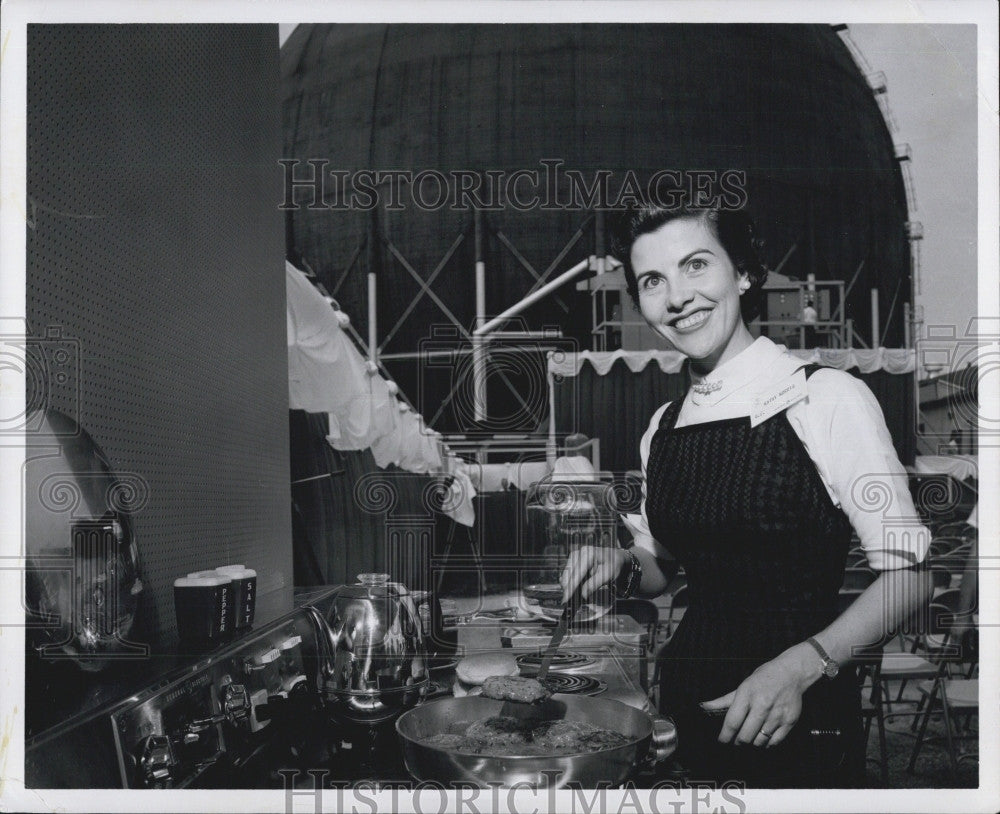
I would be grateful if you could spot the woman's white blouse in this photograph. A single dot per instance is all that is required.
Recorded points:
(842, 428)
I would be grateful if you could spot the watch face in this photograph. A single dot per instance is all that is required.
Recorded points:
(831, 668)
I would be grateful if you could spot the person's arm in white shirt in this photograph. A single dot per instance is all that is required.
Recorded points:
(844, 431)
(873, 490)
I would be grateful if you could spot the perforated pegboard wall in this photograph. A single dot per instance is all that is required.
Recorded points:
(155, 256)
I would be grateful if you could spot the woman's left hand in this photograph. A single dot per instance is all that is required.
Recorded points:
(765, 707)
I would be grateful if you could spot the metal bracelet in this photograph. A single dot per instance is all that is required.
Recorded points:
(634, 577)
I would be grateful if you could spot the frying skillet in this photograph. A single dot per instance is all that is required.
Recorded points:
(650, 740)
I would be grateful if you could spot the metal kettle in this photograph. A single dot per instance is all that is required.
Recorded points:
(375, 664)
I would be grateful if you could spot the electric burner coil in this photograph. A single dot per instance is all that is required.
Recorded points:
(562, 660)
(570, 684)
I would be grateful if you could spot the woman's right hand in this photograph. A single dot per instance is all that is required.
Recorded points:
(593, 566)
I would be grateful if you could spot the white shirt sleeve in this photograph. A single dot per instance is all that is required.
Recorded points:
(637, 523)
(844, 432)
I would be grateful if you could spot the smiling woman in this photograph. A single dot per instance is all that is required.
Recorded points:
(689, 289)
(750, 481)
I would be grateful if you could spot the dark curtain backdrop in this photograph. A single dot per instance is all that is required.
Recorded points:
(617, 407)
(336, 537)
(338, 531)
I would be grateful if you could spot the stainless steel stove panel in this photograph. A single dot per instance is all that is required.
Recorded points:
(215, 713)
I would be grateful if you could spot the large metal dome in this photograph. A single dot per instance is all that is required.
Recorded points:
(785, 103)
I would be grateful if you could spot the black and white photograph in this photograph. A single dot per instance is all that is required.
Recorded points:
(526, 406)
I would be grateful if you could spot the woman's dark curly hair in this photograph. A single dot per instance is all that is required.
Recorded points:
(733, 228)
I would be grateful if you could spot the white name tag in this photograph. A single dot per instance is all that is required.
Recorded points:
(779, 397)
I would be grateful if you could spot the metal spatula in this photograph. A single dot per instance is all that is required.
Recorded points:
(548, 709)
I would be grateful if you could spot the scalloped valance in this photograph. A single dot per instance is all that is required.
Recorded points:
(891, 360)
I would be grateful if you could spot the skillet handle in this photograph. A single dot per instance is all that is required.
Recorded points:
(664, 740)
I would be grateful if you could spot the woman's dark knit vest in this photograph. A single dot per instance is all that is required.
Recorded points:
(745, 512)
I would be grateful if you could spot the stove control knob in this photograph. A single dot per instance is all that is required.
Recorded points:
(235, 703)
(156, 760)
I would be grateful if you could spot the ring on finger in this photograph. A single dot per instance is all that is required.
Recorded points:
(764, 734)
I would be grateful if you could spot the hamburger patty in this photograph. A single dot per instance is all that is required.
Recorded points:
(515, 688)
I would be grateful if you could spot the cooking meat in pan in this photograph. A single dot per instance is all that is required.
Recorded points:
(515, 688)
(502, 737)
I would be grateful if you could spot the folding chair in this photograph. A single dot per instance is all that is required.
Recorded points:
(955, 559)
(959, 529)
(664, 603)
(917, 662)
(857, 579)
(947, 548)
(678, 602)
(856, 559)
(941, 577)
(951, 599)
(871, 710)
(954, 697)
(882, 667)
(646, 614)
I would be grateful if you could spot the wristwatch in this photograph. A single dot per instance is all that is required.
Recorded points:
(627, 582)
(830, 667)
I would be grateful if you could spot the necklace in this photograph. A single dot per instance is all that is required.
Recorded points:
(706, 388)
